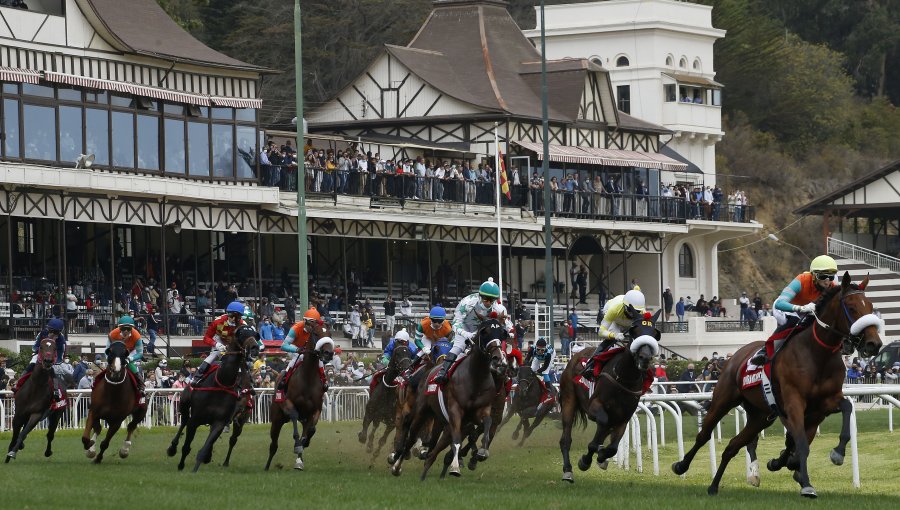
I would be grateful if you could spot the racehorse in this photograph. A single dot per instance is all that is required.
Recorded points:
(212, 400)
(382, 404)
(616, 392)
(242, 413)
(807, 377)
(468, 396)
(34, 400)
(114, 398)
(303, 402)
(527, 404)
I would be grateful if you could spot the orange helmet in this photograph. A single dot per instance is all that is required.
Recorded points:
(313, 315)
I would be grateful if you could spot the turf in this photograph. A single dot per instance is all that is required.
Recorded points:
(339, 474)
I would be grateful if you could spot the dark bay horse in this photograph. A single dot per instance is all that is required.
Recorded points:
(242, 413)
(406, 404)
(617, 391)
(34, 400)
(807, 380)
(303, 402)
(213, 400)
(467, 397)
(113, 399)
(382, 404)
(526, 403)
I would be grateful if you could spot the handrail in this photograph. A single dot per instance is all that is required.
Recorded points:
(871, 257)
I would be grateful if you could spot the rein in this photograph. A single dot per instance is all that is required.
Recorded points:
(835, 348)
(124, 377)
(619, 384)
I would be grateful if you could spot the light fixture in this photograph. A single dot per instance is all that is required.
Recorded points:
(773, 237)
(85, 161)
(177, 226)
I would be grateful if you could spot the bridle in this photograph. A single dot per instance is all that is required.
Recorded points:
(848, 337)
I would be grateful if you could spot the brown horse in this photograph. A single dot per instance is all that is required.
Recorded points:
(34, 400)
(213, 400)
(615, 397)
(468, 396)
(303, 402)
(406, 404)
(527, 404)
(113, 399)
(242, 413)
(807, 377)
(382, 404)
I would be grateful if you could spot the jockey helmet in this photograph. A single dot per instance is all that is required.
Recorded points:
(402, 336)
(489, 289)
(437, 312)
(313, 315)
(823, 265)
(56, 325)
(126, 321)
(634, 303)
(542, 342)
(235, 307)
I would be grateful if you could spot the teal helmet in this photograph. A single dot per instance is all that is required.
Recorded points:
(489, 289)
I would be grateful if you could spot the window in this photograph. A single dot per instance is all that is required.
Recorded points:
(623, 93)
(25, 237)
(622, 61)
(69, 94)
(223, 150)
(670, 93)
(670, 61)
(123, 236)
(218, 243)
(123, 140)
(222, 113)
(245, 114)
(717, 97)
(69, 133)
(682, 63)
(97, 135)
(597, 60)
(29, 89)
(148, 142)
(198, 149)
(246, 148)
(697, 66)
(686, 262)
(11, 138)
(40, 132)
(175, 156)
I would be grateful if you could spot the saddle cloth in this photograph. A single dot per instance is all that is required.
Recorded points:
(751, 375)
(601, 360)
(431, 387)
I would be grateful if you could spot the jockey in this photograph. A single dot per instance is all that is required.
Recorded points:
(401, 338)
(428, 332)
(469, 313)
(219, 333)
(127, 333)
(541, 358)
(296, 340)
(53, 331)
(618, 315)
(800, 296)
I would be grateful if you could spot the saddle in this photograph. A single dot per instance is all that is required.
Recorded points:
(432, 387)
(752, 375)
(218, 387)
(58, 395)
(601, 360)
(140, 399)
(281, 396)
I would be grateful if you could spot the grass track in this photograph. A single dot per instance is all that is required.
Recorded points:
(339, 474)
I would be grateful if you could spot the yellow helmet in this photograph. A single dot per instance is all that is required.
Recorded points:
(823, 264)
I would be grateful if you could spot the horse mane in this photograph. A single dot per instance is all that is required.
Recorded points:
(830, 293)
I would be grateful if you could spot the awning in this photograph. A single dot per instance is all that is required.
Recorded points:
(235, 102)
(19, 75)
(688, 79)
(605, 157)
(691, 167)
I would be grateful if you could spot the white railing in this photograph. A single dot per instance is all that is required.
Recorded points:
(873, 258)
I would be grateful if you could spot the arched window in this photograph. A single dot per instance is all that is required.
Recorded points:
(697, 66)
(670, 61)
(622, 61)
(686, 262)
(682, 63)
(597, 60)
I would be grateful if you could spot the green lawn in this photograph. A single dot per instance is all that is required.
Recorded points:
(339, 474)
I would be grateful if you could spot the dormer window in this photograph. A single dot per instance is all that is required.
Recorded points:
(670, 62)
(697, 66)
(622, 61)
(682, 63)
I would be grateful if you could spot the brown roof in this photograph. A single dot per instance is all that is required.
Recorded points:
(633, 123)
(822, 203)
(694, 80)
(142, 27)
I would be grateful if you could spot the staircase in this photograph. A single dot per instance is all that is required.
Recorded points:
(883, 291)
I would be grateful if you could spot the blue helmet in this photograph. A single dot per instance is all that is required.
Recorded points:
(236, 307)
(437, 312)
(56, 324)
(489, 289)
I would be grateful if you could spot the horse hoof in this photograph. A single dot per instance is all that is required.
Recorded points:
(482, 454)
(361, 437)
(454, 471)
(181, 466)
(712, 490)
(472, 464)
(298, 464)
(836, 458)
(774, 465)
(91, 453)
(10, 456)
(123, 453)
(753, 476)
(753, 480)
(396, 471)
(584, 464)
(679, 468)
(171, 451)
(98, 460)
(515, 435)
(48, 453)
(603, 465)
(391, 459)
(808, 492)
(568, 477)
(423, 454)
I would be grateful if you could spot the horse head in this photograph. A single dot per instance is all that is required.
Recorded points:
(400, 359)
(858, 317)
(489, 341)
(324, 349)
(47, 352)
(525, 377)
(246, 341)
(645, 345)
(117, 359)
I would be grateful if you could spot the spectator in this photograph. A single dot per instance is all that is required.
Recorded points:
(679, 309)
(573, 321)
(390, 310)
(853, 374)
(266, 309)
(744, 302)
(668, 303)
(87, 381)
(757, 303)
(581, 280)
(406, 308)
(565, 337)
(892, 375)
(267, 329)
(660, 372)
(355, 325)
(687, 376)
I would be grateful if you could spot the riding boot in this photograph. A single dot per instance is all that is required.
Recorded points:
(588, 372)
(759, 359)
(441, 377)
(142, 390)
(199, 373)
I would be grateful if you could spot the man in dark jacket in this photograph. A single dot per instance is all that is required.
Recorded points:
(668, 303)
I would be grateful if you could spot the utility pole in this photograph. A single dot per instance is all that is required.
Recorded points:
(301, 168)
(545, 170)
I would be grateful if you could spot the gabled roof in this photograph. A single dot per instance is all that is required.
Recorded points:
(819, 205)
(143, 28)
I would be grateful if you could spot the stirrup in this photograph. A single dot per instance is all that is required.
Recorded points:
(588, 371)
(759, 359)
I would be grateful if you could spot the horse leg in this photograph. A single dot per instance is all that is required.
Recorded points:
(757, 421)
(567, 416)
(484, 452)
(111, 429)
(238, 428)
(837, 454)
(52, 424)
(604, 454)
(370, 443)
(602, 420)
(364, 433)
(785, 455)
(136, 418)
(753, 475)
(545, 410)
(717, 410)
(86, 435)
(274, 432)
(204, 456)
(450, 458)
(309, 428)
(412, 434)
(19, 439)
(388, 428)
(186, 448)
(796, 427)
(173, 447)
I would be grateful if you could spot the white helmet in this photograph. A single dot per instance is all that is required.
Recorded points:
(402, 335)
(635, 299)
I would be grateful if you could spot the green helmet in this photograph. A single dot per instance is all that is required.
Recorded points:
(489, 289)
(125, 320)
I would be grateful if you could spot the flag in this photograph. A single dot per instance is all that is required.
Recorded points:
(504, 181)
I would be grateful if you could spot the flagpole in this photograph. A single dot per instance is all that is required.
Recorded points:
(499, 232)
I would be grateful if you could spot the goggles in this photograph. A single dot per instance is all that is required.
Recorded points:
(53, 332)
(437, 323)
(235, 316)
(541, 350)
(488, 300)
(824, 276)
(124, 328)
